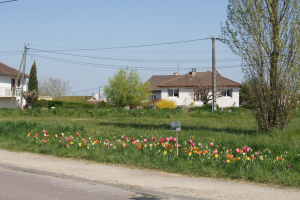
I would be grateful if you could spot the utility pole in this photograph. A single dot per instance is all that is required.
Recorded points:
(23, 75)
(214, 100)
(99, 94)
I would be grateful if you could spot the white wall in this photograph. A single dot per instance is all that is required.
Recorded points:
(230, 101)
(5, 82)
(185, 98)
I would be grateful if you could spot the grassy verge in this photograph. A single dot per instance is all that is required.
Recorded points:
(220, 133)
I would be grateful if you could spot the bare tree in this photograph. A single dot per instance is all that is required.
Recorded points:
(54, 87)
(204, 93)
(29, 97)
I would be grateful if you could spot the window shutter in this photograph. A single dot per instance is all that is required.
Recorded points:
(178, 92)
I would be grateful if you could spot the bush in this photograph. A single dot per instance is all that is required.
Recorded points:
(104, 105)
(166, 104)
(77, 105)
(40, 103)
(206, 107)
(55, 104)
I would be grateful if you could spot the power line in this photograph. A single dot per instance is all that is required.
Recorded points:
(82, 90)
(8, 1)
(119, 66)
(134, 46)
(141, 60)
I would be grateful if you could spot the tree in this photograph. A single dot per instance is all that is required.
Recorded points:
(33, 82)
(203, 93)
(265, 34)
(126, 88)
(54, 87)
(29, 97)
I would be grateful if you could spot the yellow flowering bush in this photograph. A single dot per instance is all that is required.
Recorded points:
(166, 104)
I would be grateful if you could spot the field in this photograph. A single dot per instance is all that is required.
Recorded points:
(222, 144)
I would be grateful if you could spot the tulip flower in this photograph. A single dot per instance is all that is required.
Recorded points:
(167, 139)
(77, 134)
(174, 139)
(211, 144)
(126, 138)
(122, 136)
(153, 139)
(171, 138)
(214, 152)
(131, 138)
(144, 140)
(255, 153)
(161, 140)
(110, 145)
(191, 141)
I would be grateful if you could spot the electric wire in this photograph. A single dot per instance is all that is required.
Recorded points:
(133, 46)
(7, 1)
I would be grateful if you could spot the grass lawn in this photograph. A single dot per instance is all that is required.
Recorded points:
(220, 144)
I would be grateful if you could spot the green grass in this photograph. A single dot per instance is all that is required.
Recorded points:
(227, 130)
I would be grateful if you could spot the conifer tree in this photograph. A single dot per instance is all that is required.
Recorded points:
(33, 82)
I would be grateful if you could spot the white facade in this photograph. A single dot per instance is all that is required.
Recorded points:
(6, 91)
(185, 99)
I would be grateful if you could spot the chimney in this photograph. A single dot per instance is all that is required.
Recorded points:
(193, 71)
(175, 73)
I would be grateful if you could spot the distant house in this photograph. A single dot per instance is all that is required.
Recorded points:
(180, 88)
(8, 80)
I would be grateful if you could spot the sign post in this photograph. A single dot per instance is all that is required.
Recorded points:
(175, 126)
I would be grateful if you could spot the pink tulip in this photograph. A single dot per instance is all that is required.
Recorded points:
(46, 132)
(106, 140)
(191, 141)
(211, 144)
(193, 144)
(122, 136)
(132, 138)
(171, 138)
(153, 139)
(255, 153)
(161, 140)
(62, 136)
(167, 139)
(230, 150)
(137, 142)
(126, 138)
(144, 140)
(214, 152)
(246, 149)
(110, 145)
(237, 150)
(179, 145)
(174, 139)
(93, 139)
(45, 141)
(77, 134)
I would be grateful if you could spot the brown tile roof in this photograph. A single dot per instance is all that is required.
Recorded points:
(4, 69)
(200, 79)
(157, 79)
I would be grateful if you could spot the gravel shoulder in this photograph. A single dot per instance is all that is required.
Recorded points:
(206, 188)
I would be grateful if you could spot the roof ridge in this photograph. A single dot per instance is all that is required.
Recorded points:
(228, 79)
(172, 79)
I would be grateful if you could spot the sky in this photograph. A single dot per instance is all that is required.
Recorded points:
(85, 43)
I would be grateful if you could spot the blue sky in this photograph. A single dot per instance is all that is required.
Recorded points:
(55, 30)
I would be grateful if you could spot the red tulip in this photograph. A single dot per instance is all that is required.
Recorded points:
(153, 139)
(77, 134)
(132, 138)
(161, 140)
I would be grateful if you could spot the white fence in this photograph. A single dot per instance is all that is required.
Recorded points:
(6, 92)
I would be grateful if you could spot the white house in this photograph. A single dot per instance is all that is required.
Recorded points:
(180, 88)
(8, 80)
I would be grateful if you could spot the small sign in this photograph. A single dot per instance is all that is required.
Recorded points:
(175, 126)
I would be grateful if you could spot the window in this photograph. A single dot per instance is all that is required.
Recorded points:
(13, 83)
(174, 93)
(227, 93)
(152, 97)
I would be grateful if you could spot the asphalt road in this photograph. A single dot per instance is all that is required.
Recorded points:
(17, 185)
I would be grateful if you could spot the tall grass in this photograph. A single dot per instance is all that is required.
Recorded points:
(227, 130)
